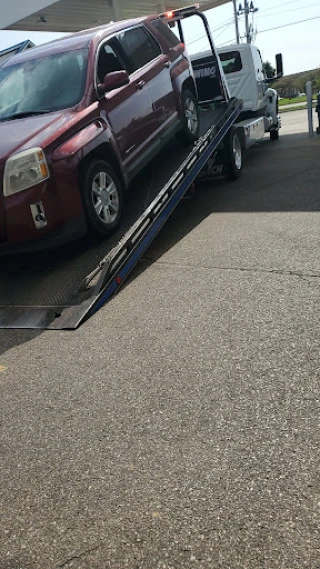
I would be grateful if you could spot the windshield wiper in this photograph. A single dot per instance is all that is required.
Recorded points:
(25, 114)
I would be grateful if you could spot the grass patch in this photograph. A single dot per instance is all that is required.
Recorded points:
(295, 100)
(297, 108)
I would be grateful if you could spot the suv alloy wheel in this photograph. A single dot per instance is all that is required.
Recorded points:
(190, 118)
(102, 196)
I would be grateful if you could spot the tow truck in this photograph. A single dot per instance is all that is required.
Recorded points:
(62, 289)
(246, 79)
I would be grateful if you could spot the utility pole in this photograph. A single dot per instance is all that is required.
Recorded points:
(236, 20)
(248, 9)
(246, 15)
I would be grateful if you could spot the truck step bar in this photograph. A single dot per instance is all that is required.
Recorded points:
(114, 269)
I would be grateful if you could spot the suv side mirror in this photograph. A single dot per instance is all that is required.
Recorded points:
(113, 80)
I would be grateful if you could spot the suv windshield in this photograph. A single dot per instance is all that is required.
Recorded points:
(43, 85)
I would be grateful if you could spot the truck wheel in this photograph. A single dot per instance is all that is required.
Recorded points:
(233, 156)
(190, 119)
(102, 196)
(274, 134)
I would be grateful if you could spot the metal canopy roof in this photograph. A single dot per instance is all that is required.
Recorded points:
(75, 15)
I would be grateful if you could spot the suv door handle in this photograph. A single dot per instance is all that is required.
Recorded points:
(141, 84)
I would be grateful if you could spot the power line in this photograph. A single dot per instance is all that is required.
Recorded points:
(225, 43)
(276, 5)
(285, 11)
(226, 27)
(202, 36)
(228, 23)
(223, 25)
(287, 25)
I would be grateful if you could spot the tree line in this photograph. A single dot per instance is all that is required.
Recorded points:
(291, 85)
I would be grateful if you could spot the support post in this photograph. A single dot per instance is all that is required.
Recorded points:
(318, 112)
(116, 10)
(309, 100)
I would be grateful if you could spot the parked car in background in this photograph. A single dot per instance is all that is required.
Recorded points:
(79, 118)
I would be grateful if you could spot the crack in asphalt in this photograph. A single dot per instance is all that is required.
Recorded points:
(286, 272)
(83, 554)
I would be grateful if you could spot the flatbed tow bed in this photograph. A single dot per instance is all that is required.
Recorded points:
(61, 289)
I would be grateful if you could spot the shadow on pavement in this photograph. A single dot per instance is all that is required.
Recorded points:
(275, 178)
(280, 176)
(11, 338)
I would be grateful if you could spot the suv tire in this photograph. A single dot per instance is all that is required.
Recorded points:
(102, 196)
(190, 118)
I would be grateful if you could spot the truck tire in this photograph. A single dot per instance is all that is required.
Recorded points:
(102, 196)
(274, 135)
(233, 156)
(190, 122)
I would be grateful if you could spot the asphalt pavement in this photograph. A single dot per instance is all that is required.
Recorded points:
(179, 427)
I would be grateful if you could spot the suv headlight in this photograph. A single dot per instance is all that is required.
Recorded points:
(24, 170)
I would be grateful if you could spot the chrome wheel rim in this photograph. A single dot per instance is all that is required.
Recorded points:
(237, 154)
(105, 198)
(190, 112)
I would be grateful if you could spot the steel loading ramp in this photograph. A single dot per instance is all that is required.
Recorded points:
(60, 289)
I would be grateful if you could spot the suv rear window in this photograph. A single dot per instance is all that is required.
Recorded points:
(231, 61)
(139, 46)
(165, 31)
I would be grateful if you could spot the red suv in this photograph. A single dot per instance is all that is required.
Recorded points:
(79, 118)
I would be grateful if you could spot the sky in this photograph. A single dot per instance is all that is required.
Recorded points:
(299, 43)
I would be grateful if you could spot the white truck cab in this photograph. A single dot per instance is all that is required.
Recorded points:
(243, 68)
(246, 80)
(242, 65)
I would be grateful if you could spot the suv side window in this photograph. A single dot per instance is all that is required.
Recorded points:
(110, 59)
(165, 31)
(139, 46)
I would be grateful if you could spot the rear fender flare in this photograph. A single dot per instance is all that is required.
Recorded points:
(180, 77)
